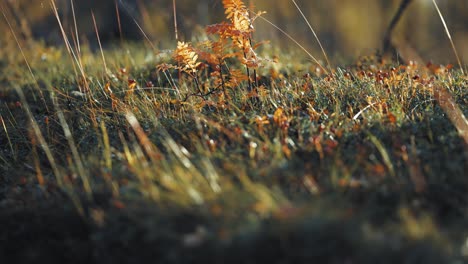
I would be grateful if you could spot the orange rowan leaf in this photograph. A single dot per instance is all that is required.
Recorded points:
(187, 56)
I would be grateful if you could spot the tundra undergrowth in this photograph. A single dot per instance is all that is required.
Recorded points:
(220, 152)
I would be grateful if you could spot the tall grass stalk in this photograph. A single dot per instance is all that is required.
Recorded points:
(447, 32)
(315, 34)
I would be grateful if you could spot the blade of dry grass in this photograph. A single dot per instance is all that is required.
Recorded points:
(99, 42)
(82, 172)
(7, 134)
(453, 111)
(315, 34)
(174, 10)
(77, 36)
(384, 153)
(447, 32)
(18, 44)
(71, 52)
(295, 42)
(119, 23)
(127, 10)
(145, 142)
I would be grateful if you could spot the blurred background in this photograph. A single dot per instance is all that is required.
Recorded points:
(346, 28)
